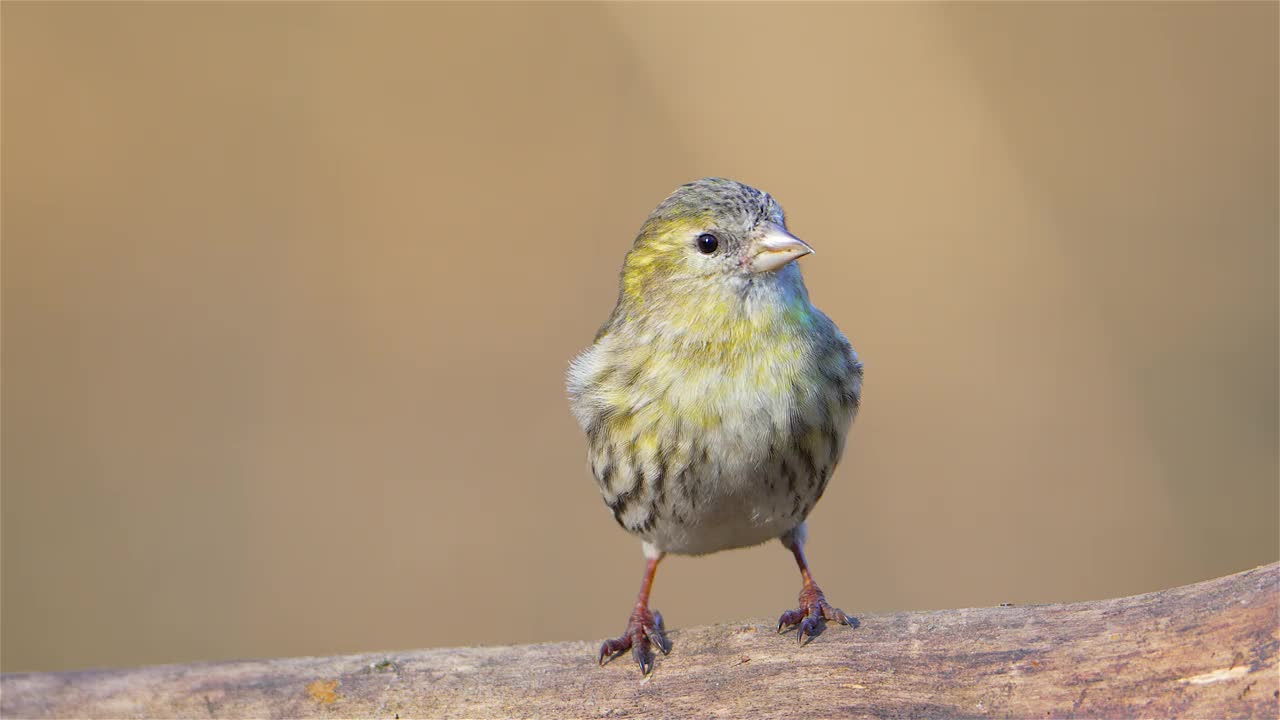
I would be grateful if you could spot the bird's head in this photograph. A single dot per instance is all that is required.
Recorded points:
(713, 241)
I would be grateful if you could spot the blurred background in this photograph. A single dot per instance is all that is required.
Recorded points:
(289, 291)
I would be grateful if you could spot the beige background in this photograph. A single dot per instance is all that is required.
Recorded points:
(289, 290)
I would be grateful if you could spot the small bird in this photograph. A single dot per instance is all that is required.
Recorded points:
(716, 398)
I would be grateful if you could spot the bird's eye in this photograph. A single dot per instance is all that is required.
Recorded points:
(707, 243)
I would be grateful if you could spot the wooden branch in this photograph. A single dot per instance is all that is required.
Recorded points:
(1205, 650)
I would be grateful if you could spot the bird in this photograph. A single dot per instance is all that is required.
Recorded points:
(715, 398)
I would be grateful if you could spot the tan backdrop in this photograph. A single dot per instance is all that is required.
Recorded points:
(289, 290)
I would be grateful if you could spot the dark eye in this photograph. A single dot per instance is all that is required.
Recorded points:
(707, 243)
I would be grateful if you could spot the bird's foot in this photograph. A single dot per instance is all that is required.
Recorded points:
(644, 630)
(813, 610)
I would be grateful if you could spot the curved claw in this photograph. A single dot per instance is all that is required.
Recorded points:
(809, 626)
(790, 617)
(838, 615)
(644, 630)
(657, 635)
(611, 648)
(813, 611)
(640, 652)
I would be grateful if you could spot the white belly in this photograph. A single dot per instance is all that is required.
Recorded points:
(754, 484)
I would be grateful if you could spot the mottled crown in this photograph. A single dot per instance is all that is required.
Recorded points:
(719, 198)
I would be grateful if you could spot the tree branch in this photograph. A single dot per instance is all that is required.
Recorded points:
(1204, 650)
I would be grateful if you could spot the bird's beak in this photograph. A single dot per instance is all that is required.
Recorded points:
(775, 248)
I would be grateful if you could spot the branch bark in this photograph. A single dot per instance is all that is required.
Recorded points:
(1204, 650)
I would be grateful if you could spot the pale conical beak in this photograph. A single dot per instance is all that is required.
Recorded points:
(775, 248)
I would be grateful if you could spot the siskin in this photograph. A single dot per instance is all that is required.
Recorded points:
(716, 398)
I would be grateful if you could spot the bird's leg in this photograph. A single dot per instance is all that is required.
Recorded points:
(813, 605)
(644, 628)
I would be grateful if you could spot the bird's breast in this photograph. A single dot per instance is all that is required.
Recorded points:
(721, 443)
